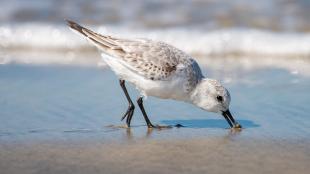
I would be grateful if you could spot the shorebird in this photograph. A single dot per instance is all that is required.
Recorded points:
(158, 69)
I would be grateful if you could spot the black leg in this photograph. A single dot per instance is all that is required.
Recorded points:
(147, 120)
(131, 106)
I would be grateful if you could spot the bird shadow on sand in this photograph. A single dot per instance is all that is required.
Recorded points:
(208, 123)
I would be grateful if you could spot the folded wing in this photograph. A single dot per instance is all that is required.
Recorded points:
(153, 60)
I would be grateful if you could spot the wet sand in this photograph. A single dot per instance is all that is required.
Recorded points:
(228, 154)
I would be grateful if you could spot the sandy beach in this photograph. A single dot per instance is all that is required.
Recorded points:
(227, 154)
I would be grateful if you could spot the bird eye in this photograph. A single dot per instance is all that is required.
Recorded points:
(219, 98)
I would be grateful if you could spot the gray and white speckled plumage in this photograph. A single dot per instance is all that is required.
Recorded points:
(153, 60)
(159, 69)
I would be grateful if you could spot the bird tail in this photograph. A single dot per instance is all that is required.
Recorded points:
(104, 43)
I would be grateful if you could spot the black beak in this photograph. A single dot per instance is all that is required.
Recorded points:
(230, 119)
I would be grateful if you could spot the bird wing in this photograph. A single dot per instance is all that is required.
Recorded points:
(154, 60)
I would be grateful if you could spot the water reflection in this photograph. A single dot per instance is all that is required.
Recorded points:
(143, 132)
(130, 135)
(209, 123)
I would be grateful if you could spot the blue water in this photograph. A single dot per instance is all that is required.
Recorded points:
(264, 14)
(72, 102)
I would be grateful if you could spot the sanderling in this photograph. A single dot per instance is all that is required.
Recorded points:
(160, 70)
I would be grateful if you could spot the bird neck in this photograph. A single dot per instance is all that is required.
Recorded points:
(195, 95)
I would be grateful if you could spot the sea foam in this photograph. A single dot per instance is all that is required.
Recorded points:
(46, 37)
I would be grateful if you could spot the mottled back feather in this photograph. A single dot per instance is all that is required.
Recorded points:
(151, 59)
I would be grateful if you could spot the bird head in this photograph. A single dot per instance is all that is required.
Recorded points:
(211, 96)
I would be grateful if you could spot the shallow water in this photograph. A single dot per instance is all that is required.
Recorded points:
(63, 119)
(59, 102)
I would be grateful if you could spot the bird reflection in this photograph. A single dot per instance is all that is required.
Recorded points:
(148, 133)
(130, 132)
(137, 131)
